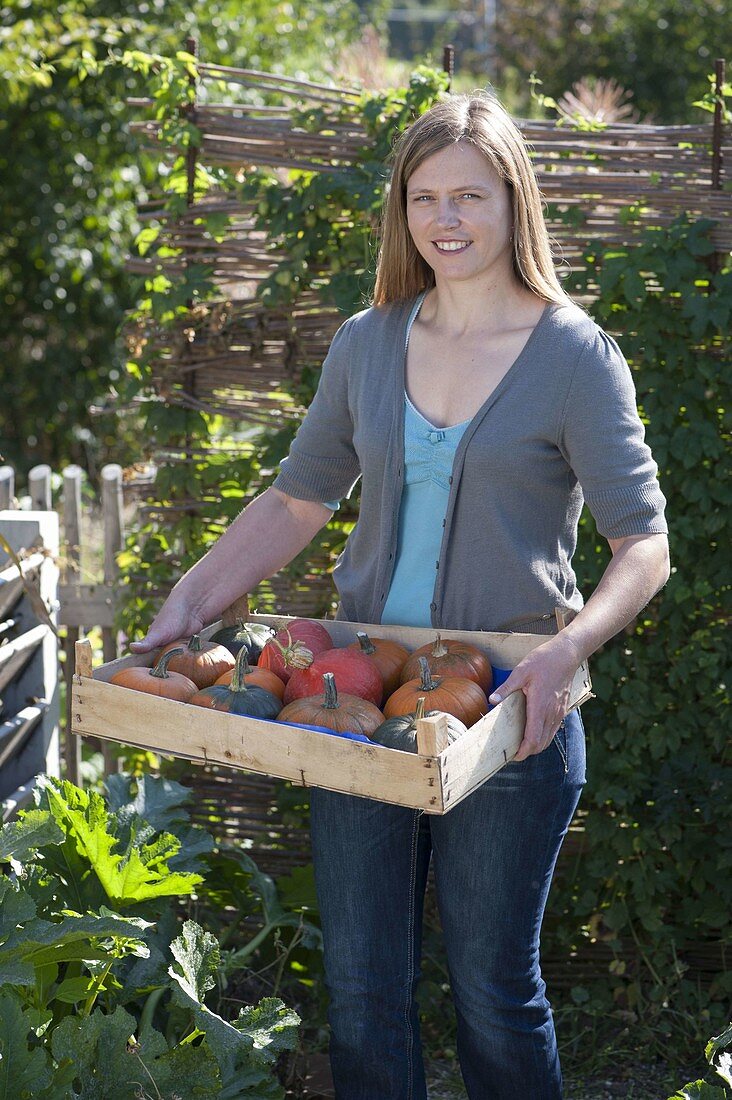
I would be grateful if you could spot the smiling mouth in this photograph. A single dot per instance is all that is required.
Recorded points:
(452, 246)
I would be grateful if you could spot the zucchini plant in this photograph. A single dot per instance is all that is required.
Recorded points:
(104, 989)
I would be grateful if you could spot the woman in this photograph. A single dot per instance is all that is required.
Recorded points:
(479, 406)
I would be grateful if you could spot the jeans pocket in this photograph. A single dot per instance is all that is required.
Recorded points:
(560, 742)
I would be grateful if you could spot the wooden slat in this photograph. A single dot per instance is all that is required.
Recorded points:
(39, 487)
(304, 756)
(87, 605)
(11, 581)
(15, 730)
(16, 654)
(7, 488)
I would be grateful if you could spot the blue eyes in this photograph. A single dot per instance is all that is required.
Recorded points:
(429, 198)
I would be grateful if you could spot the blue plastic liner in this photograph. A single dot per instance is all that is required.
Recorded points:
(321, 729)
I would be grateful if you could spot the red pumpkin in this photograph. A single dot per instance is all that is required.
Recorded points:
(389, 657)
(455, 695)
(355, 674)
(451, 658)
(294, 646)
(342, 713)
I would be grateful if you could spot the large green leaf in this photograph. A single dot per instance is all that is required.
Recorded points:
(16, 907)
(74, 938)
(139, 874)
(23, 1072)
(111, 1063)
(35, 829)
(197, 958)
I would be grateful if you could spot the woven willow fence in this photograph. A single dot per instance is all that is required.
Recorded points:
(243, 351)
(232, 355)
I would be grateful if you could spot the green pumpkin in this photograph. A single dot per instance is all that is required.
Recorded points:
(237, 698)
(401, 732)
(250, 636)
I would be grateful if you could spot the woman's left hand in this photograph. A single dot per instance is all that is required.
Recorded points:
(545, 677)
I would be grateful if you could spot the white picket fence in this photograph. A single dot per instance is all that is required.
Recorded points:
(55, 547)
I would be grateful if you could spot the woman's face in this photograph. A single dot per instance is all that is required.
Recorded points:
(460, 215)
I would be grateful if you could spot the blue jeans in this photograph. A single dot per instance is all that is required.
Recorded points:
(494, 855)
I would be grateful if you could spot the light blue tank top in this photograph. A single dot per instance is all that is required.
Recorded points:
(428, 459)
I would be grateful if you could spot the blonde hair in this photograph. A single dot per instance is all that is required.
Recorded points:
(484, 123)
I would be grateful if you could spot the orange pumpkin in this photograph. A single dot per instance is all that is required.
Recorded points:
(389, 657)
(342, 713)
(451, 658)
(254, 677)
(157, 680)
(455, 695)
(202, 662)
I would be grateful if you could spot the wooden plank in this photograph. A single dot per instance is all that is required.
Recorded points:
(11, 581)
(208, 737)
(86, 605)
(72, 478)
(15, 655)
(15, 730)
(432, 735)
(39, 488)
(112, 519)
(493, 742)
(7, 488)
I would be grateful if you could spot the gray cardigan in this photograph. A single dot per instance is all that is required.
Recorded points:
(561, 427)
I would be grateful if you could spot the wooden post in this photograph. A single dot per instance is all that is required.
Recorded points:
(39, 487)
(717, 156)
(112, 515)
(72, 476)
(7, 488)
(432, 736)
(448, 63)
(715, 260)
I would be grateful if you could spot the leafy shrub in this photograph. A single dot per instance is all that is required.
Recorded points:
(102, 991)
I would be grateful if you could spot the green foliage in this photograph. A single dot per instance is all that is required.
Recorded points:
(717, 1057)
(72, 175)
(96, 1002)
(654, 876)
(323, 224)
(661, 52)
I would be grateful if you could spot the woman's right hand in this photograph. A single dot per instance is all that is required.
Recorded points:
(173, 621)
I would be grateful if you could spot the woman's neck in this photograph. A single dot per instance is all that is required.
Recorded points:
(458, 309)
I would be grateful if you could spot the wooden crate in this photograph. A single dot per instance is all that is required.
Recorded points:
(434, 779)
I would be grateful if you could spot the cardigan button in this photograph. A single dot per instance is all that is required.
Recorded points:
(433, 607)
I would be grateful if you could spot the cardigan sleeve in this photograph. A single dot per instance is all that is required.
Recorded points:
(603, 440)
(322, 463)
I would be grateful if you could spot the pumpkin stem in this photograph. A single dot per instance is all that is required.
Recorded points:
(427, 683)
(439, 649)
(295, 654)
(161, 668)
(419, 713)
(195, 645)
(241, 669)
(367, 646)
(330, 694)
(236, 612)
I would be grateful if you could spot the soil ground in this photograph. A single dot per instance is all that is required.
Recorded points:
(638, 1081)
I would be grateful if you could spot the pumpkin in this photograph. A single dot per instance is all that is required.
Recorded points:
(157, 680)
(451, 658)
(389, 657)
(202, 662)
(401, 732)
(355, 673)
(237, 697)
(455, 695)
(253, 676)
(250, 636)
(294, 647)
(342, 713)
